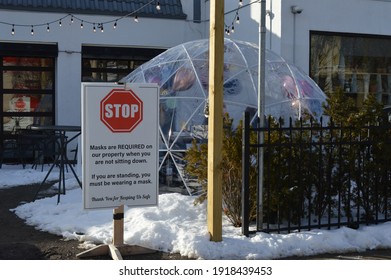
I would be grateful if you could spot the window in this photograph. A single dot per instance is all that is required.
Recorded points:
(358, 64)
(110, 64)
(26, 86)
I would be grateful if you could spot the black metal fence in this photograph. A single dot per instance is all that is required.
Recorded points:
(317, 176)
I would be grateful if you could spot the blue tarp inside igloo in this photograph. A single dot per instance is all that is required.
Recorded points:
(182, 74)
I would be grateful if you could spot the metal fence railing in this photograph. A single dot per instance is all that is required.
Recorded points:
(317, 176)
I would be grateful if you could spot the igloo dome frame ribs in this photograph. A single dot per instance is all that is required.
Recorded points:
(182, 74)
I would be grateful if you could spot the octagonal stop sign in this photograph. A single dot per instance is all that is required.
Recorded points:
(121, 110)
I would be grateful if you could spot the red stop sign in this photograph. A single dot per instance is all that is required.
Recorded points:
(121, 110)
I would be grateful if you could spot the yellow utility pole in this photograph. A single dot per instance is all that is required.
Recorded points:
(215, 121)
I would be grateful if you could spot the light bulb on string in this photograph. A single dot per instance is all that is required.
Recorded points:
(71, 19)
(115, 25)
(32, 30)
(158, 6)
(240, 3)
(81, 25)
(237, 18)
(233, 29)
(94, 28)
(101, 28)
(48, 28)
(136, 18)
(59, 23)
(13, 30)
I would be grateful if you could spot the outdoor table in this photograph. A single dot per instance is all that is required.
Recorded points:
(62, 157)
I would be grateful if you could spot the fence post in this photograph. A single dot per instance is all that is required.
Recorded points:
(245, 173)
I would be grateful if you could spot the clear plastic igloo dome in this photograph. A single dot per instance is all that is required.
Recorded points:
(182, 75)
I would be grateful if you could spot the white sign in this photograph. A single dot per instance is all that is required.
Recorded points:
(120, 145)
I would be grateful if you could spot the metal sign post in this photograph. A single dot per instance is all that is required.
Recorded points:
(261, 109)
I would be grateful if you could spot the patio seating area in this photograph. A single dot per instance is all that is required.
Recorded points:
(28, 146)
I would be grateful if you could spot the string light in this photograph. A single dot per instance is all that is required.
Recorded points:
(229, 28)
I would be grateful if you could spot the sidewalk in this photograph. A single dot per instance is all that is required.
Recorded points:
(380, 254)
